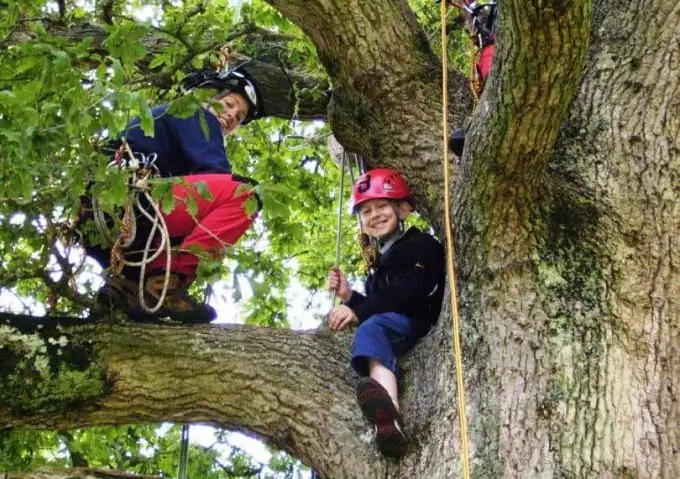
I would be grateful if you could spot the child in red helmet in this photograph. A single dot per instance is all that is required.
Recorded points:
(404, 291)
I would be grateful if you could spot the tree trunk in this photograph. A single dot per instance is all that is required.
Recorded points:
(571, 316)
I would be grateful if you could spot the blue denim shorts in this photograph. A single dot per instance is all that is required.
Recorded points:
(383, 337)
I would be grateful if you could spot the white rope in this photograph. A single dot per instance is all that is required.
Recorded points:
(338, 233)
(141, 187)
(158, 222)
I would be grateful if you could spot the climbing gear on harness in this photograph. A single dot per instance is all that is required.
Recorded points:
(450, 255)
(380, 183)
(141, 170)
(379, 409)
(482, 18)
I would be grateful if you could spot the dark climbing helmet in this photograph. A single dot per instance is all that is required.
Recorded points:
(380, 183)
(236, 80)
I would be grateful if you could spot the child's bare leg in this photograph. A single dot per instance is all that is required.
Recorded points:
(385, 377)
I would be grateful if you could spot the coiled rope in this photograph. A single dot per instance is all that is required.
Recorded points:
(141, 171)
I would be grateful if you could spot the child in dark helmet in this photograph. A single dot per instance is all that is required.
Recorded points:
(184, 150)
(404, 292)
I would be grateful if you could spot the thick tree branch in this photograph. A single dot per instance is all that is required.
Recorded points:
(385, 71)
(310, 91)
(293, 389)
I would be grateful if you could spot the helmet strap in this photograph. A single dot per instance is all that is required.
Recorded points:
(385, 243)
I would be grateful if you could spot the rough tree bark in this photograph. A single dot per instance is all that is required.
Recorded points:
(566, 206)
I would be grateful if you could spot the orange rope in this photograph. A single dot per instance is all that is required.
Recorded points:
(451, 260)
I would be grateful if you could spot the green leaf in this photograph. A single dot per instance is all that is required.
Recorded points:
(157, 61)
(184, 107)
(162, 193)
(204, 124)
(61, 60)
(146, 117)
(203, 191)
(118, 72)
(192, 206)
(7, 98)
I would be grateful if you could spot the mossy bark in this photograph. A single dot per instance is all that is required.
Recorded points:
(569, 281)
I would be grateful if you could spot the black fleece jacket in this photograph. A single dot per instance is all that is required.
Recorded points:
(408, 279)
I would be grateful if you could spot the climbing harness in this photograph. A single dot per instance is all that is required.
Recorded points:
(141, 169)
(483, 17)
(451, 261)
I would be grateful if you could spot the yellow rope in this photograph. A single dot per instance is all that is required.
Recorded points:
(451, 261)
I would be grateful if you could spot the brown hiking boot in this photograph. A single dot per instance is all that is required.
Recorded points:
(177, 304)
(378, 408)
(121, 293)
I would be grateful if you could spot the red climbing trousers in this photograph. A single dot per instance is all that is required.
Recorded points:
(484, 61)
(220, 221)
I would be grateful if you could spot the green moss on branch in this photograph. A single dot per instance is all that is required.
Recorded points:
(44, 371)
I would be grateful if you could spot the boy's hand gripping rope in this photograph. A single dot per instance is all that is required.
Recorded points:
(450, 255)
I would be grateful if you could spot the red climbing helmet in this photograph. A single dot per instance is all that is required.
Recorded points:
(380, 183)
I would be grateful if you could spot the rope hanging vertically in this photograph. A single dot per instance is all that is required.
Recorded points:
(338, 233)
(183, 453)
(450, 255)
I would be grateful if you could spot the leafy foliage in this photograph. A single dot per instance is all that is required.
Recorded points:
(138, 449)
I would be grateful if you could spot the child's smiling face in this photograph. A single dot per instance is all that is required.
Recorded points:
(234, 110)
(381, 217)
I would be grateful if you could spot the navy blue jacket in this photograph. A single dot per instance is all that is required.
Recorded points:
(408, 279)
(180, 143)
